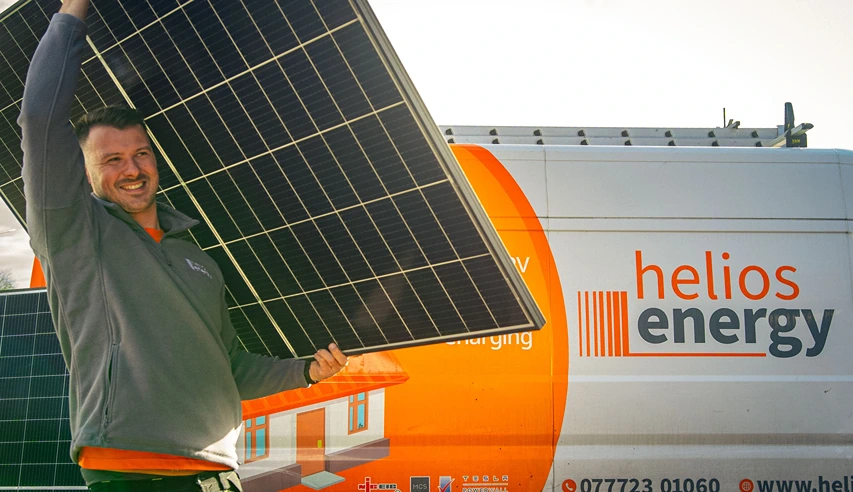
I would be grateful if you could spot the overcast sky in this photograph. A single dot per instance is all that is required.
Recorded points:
(652, 63)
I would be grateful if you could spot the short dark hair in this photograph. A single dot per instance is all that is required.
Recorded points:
(119, 117)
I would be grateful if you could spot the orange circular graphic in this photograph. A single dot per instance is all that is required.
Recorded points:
(746, 485)
(570, 486)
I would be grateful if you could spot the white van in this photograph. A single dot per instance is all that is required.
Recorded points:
(710, 314)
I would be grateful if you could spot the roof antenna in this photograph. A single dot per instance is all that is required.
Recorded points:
(724, 117)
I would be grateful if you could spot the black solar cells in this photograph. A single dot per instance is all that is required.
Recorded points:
(34, 435)
(326, 195)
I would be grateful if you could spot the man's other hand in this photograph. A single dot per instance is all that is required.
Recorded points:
(327, 363)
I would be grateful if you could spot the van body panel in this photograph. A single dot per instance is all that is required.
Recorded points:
(654, 183)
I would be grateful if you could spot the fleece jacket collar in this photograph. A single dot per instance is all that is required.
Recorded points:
(171, 221)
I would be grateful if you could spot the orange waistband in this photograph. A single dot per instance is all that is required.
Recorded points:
(122, 460)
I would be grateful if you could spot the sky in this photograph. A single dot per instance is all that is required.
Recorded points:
(629, 63)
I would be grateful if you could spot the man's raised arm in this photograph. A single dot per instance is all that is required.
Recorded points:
(53, 171)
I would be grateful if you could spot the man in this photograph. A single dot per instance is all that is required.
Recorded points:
(156, 371)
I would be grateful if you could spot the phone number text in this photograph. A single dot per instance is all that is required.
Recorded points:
(642, 485)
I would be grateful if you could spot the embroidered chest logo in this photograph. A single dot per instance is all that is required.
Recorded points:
(198, 267)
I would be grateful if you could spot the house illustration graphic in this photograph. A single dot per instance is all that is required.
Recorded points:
(305, 436)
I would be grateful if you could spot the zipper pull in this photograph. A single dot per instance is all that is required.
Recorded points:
(163, 252)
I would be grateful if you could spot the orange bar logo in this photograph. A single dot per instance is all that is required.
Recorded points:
(603, 324)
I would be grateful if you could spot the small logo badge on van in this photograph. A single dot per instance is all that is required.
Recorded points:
(419, 484)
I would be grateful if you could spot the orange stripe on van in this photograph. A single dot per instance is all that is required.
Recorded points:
(601, 325)
(580, 327)
(586, 315)
(595, 341)
(617, 320)
(602, 341)
(609, 324)
(626, 349)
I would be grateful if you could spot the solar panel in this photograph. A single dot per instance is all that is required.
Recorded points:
(326, 194)
(34, 433)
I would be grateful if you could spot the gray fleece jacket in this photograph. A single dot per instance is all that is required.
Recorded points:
(154, 360)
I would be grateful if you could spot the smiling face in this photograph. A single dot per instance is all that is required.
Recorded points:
(121, 168)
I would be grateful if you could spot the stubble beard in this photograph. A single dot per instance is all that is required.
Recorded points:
(133, 206)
